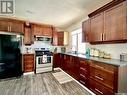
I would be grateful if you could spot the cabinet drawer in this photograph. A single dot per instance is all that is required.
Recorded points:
(83, 71)
(28, 56)
(84, 82)
(99, 89)
(28, 69)
(103, 77)
(103, 66)
(83, 63)
(28, 61)
(29, 65)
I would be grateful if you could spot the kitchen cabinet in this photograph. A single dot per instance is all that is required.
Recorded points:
(103, 78)
(42, 30)
(48, 31)
(56, 60)
(109, 23)
(84, 72)
(115, 23)
(85, 30)
(60, 38)
(73, 67)
(4, 25)
(28, 62)
(28, 36)
(55, 37)
(70, 64)
(17, 26)
(96, 28)
(99, 89)
(10, 25)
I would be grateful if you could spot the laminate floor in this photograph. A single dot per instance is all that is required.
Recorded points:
(40, 84)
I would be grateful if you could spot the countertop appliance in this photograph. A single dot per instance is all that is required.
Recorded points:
(44, 60)
(123, 57)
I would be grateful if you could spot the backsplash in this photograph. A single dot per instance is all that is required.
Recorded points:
(114, 49)
(40, 45)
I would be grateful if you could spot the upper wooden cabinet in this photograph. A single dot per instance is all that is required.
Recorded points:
(55, 37)
(42, 30)
(4, 25)
(60, 38)
(48, 31)
(96, 28)
(10, 25)
(85, 30)
(17, 26)
(28, 36)
(108, 24)
(116, 22)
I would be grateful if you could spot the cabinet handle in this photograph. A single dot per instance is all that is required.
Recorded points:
(99, 66)
(82, 82)
(8, 28)
(102, 36)
(98, 91)
(83, 69)
(83, 76)
(99, 78)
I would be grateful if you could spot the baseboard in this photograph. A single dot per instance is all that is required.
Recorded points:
(79, 83)
(28, 73)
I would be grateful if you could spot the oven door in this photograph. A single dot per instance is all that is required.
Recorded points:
(41, 62)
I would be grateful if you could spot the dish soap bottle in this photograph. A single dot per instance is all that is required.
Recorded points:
(87, 52)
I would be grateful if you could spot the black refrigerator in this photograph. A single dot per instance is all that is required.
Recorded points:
(10, 56)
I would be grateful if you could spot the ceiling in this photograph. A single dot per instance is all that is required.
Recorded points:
(61, 13)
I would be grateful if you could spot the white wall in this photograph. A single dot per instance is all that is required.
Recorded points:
(114, 49)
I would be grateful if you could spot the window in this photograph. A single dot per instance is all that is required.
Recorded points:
(77, 44)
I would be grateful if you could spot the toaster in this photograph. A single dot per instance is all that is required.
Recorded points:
(123, 57)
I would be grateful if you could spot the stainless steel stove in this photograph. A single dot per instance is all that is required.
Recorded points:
(44, 60)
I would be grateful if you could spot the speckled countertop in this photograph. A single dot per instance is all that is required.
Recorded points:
(115, 62)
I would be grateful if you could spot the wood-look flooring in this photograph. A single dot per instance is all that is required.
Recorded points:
(39, 84)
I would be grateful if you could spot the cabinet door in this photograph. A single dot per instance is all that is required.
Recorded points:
(85, 30)
(28, 60)
(99, 89)
(47, 31)
(16, 26)
(96, 28)
(37, 30)
(60, 38)
(28, 36)
(115, 22)
(4, 25)
(56, 60)
(55, 37)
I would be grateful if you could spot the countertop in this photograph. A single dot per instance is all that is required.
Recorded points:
(115, 62)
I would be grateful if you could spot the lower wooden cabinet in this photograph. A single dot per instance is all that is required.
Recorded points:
(28, 62)
(84, 72)
(56, 60)
(99, 77)
(99, 89)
